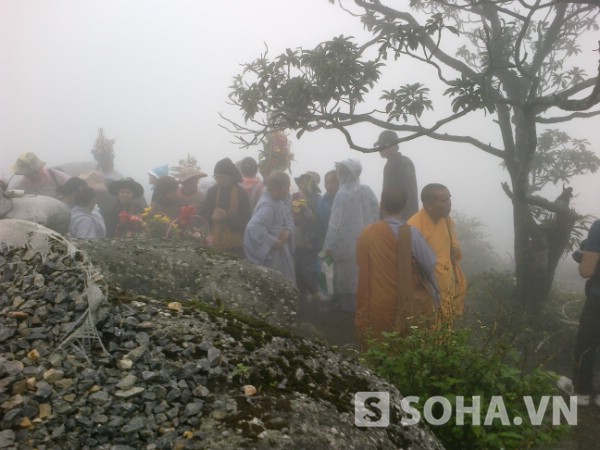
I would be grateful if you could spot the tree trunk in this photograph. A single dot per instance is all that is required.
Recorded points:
(538, 248)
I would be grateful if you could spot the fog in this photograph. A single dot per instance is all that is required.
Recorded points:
(155, 75)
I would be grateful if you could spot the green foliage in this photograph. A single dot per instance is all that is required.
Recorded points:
(548, 340)
(241, 371)
(466, 94)
(560, 157)
(446, 363)
(408, 100)
(297, 87)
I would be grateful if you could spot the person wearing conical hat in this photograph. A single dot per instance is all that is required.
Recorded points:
(188, 194)
(33, 177)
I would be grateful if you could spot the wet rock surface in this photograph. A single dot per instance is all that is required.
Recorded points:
(187, 271)
(166, 378)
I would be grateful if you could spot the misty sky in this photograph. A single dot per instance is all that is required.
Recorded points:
(155, 74)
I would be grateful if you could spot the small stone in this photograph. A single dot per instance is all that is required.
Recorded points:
(7, 438)
(249, 390)
(43, 389)
(31, 384)
(53, 375)
(201, 391)
(99, 418)
(173, 395)
(175, 306)
(127, 382)
(33, 355)
(55, 359)
(64, 383)
(12, 402)
(124, 364)
(134, 425)
(218, 414)
(129, 392)
(148, 375)
(45, 410)
(25, 422)
(193, 409)
(99, 398)
(13, 368)
(19, 387)
(6, 333)
(38, 280)
(214, 356)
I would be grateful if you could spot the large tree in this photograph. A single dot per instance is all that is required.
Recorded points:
(509, 60)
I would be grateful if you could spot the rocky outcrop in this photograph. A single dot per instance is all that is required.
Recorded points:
(187, 271)
(155, 374)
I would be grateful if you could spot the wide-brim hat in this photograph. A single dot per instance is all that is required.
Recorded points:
(310, 176)
(160, 171)
(386, 139)
(27, 164)
(186, 173)
(95, 180)
(126, 183)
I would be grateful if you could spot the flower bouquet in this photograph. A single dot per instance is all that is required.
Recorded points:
(275, 154)
(157, 224)
(130, 225)
(190, 226)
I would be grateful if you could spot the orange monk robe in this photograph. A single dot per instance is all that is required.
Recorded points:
(441, 237)
(380, 306)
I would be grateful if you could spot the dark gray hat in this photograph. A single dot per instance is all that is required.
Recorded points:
(126, 183)
(387, 138)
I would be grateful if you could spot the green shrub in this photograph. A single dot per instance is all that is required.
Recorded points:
(445, 363)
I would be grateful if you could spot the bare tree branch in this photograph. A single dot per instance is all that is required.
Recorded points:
(575, 115)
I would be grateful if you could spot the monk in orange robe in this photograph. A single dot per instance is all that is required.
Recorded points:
(396, 274)
(434, 222)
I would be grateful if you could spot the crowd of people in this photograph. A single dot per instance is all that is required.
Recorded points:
(391, 261)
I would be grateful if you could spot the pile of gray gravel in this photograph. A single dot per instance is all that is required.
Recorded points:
(161, 376)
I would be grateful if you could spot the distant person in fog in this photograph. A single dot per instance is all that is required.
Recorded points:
(86, 220)
(33, 177)
(355, 206)
(125, 190)
(269, 236)
(332, 185)
(156, 173)
(66, 192)
(227, 208)
(304, 204)
(399, 171)
(165, 198)
(437, 227)
(250, 182)
(189, 194)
